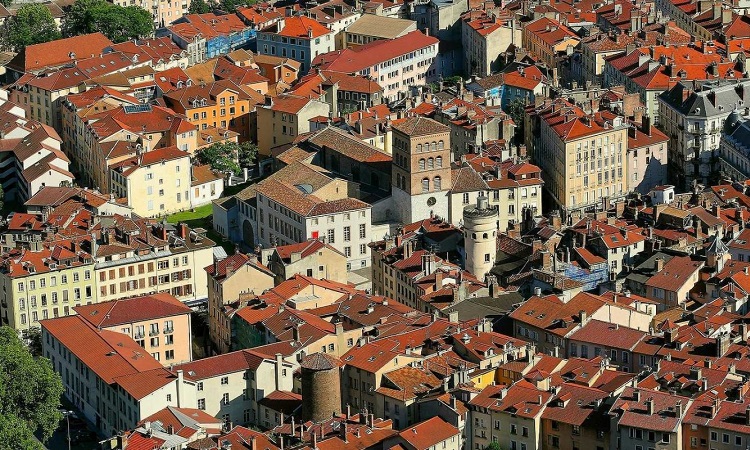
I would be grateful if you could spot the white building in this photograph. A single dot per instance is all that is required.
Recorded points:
(229, 386)
(694, 121)
(299, 203)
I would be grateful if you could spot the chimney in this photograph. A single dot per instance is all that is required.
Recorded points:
(279, 362)
(180, 390)
(659, 264)
(747, 415)
(582, 315)
(678, 409)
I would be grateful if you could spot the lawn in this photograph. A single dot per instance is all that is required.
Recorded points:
(201, 218)
(200, 213)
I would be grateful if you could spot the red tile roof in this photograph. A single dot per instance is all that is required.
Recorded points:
(136, 309)
(227, 363)
(59, 52)
(429, 433)
(369, 55)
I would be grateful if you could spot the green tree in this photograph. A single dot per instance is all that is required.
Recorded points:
(247, 153)
(16, 435)
(32, 24)
(493, 446)
(118, 23)
(6, 2)
(517, 112)
(230, 6)
(221, 156)
(33, 338)
(199, 7)
(29, 391)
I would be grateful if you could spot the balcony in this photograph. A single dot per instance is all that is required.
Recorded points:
(153, 333)
(138, 336)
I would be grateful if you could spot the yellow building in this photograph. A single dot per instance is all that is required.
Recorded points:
(582, 157)
(155, 183)
(45, 281)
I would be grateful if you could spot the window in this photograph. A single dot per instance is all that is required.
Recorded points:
(465, 198)
(425, 185)
(437, 183)
(362, 231)
(199, 386)
(331, 234)
(347, 234)
(202, 404)
(225, 398)
(169, 355)
(224, 380)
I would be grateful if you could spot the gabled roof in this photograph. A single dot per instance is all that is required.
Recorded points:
(135, 309)
(59, 52)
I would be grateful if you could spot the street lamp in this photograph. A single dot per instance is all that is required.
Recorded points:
(67, 419)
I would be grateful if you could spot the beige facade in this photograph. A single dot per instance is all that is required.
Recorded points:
(227, 280)
(311, 258)
(155, 183)
(285, 117)
(582, 162)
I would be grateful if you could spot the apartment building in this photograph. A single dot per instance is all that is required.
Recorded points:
(371, 27)
(138, 256)
(160, 320)
(734, 147)
(116, 134)
(395, 64)
(643, 421)
(583, 157)
(45, 281)
(32, 156)
(514, 186)
(486, 35)
(229, 386)
(205, 36)
(228, 279)
(112, 381)
(312, 258)
(649, 71)
(220, 104)
(693, 119)
(282, 118)
(164, 13)
(300, 203)
(300, 38)
(508, 415)
(141, 179)
(550, 41)
(647, 157)
(523, 84)
(50, 55)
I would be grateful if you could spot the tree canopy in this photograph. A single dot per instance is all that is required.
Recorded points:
(32, 24)
(199, 7)
(517, 112)
(29, 394)
(118, 23)
(228, 157)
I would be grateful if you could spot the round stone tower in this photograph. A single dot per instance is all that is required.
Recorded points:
(321, 387)
(480, 235)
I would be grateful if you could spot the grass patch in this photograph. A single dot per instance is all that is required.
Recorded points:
(201, 212)
(202, 218)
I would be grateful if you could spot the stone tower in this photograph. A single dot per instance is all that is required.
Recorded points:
(480, 235)
(321, 387)
(421, 171)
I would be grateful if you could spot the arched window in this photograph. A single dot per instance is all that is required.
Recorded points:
(439, 161)
(419, 148)
(441, 145)
(484, 236)
(430, 163)
(434, 146)
(421, 164)
(425, 185)
(437, 183)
